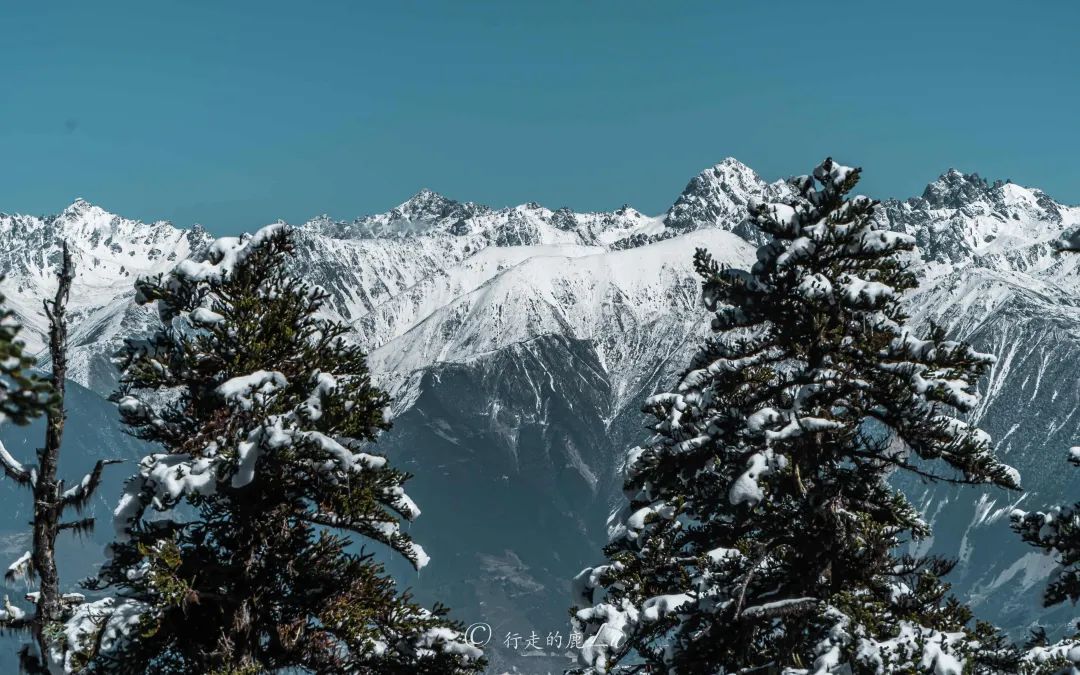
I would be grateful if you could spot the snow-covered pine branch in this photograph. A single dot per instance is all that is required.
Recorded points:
(14, 469)
(1056, 531)
(231, 538)
(22, 569)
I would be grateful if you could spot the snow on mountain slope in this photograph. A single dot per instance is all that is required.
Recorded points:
(629, 303)
(110, 252)
(408, 252)
(960, 216)
(361, 274)
(399, 313)
(389, 272)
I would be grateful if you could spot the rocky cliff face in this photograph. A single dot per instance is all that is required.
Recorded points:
(519, 343)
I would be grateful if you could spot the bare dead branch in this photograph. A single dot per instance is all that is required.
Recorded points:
(81, 526)
(14, 470)
(78, 496)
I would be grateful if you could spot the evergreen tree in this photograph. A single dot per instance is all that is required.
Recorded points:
(232, 554)
(760, 532)
(1057, 532)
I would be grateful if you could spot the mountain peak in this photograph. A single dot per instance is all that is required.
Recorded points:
(79, 207)
(84, 216)
(728, 176)
(425, 201)
(717, 194)
(732, 163)
(954, 189)
(727, 171)
(426, 193)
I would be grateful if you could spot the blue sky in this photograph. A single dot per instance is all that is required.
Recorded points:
(234, 114)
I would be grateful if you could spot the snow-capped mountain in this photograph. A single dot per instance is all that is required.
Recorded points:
(110, 253)
(519, 343)
(717, 197)
(429, 213)
(387, 272)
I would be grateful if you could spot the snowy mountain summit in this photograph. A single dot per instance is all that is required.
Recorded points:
(110, 252)
(718, 196)
(962, 215)
(426, 212)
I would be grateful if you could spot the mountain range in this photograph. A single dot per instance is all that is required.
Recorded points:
(518, 344)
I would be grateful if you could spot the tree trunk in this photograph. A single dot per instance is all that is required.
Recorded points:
(243, 639)
(47, 506)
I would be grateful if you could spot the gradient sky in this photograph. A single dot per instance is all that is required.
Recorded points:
(234, 114)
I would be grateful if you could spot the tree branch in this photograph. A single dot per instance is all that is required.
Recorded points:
(749, 576)
(78, 526)
(907, 466)
(15, 471)
(779, 609)
(79, 495)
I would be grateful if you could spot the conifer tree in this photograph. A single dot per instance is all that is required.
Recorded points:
(1057, 532)
(760, 533)
(233, 542)
(21, 396)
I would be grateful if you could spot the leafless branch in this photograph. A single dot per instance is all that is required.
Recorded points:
(77, 497)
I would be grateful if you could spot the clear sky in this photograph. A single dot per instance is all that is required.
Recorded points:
(234, 114)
